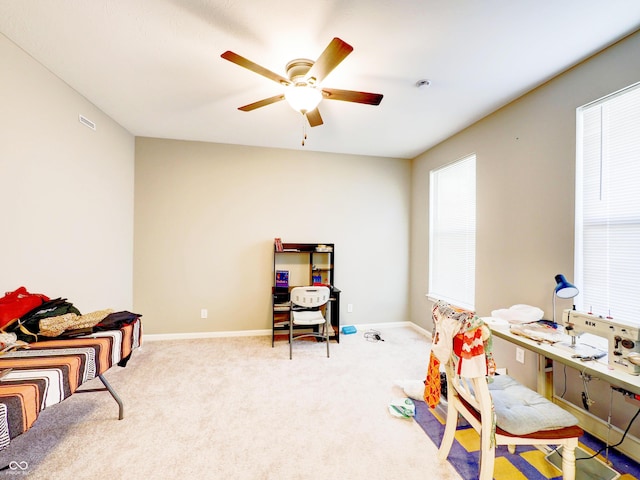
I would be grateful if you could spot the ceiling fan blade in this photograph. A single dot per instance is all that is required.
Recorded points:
(254, 67)
(352, 96)
(261, 103)
(314, 117)
(336, 51)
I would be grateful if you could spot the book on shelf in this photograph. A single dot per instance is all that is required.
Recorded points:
(282, 278)
(278, 244)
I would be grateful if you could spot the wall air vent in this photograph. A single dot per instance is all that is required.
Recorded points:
(86, 122)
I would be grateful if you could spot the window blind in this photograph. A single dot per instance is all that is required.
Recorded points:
(452, 233)
(607, 253)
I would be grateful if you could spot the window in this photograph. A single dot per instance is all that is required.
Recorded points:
(452, 233)
(607, 253)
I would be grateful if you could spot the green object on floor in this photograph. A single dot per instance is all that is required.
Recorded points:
(402, 408)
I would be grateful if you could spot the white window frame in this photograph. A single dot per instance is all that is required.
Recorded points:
(607, 207)
(452, 233)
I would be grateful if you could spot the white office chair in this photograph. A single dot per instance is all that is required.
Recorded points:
(306, 311)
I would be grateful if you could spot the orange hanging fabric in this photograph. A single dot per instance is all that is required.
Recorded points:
(432, 383)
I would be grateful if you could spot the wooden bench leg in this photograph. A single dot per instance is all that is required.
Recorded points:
(569, 460)
(487, 454)
(449, 429)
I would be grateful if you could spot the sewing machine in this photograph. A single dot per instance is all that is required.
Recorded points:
(623, 337)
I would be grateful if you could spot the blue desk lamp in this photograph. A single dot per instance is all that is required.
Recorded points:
(563, 289)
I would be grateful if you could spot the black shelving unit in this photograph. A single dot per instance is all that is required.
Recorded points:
(306, 264)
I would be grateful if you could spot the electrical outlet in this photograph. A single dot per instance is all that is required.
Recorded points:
(520, 355)
(350, 308)
(204, 313)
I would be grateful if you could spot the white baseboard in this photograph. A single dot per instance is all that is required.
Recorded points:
(153, 337)
(421, 330)
(377, 326)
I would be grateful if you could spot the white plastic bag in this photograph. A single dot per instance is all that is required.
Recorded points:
(519, 314)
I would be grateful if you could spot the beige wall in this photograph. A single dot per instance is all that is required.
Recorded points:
(66, 191)
(206, 216)
(525, 198)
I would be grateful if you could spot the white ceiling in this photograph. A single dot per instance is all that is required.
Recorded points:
(154, 66)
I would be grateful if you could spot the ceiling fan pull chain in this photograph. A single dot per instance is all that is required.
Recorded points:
(304, 128)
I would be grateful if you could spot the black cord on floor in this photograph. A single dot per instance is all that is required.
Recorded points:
(373, 336)
(606, 446)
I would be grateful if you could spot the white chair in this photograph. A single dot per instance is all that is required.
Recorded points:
(307, 311)
(496, 410)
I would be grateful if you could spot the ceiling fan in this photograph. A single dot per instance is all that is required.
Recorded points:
(303, 89)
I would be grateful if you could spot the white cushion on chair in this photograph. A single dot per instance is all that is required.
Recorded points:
(308, 317)
(520, 410)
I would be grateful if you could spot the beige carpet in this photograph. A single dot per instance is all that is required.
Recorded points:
(235, 408)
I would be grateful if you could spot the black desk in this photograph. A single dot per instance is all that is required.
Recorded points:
(281, 318)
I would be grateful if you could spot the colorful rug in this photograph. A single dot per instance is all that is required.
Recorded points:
(528, 463)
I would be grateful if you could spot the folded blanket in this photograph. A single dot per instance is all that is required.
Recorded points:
(56, 326)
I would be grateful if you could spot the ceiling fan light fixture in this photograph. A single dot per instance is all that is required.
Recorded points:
(302, 86)
(303, 98)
